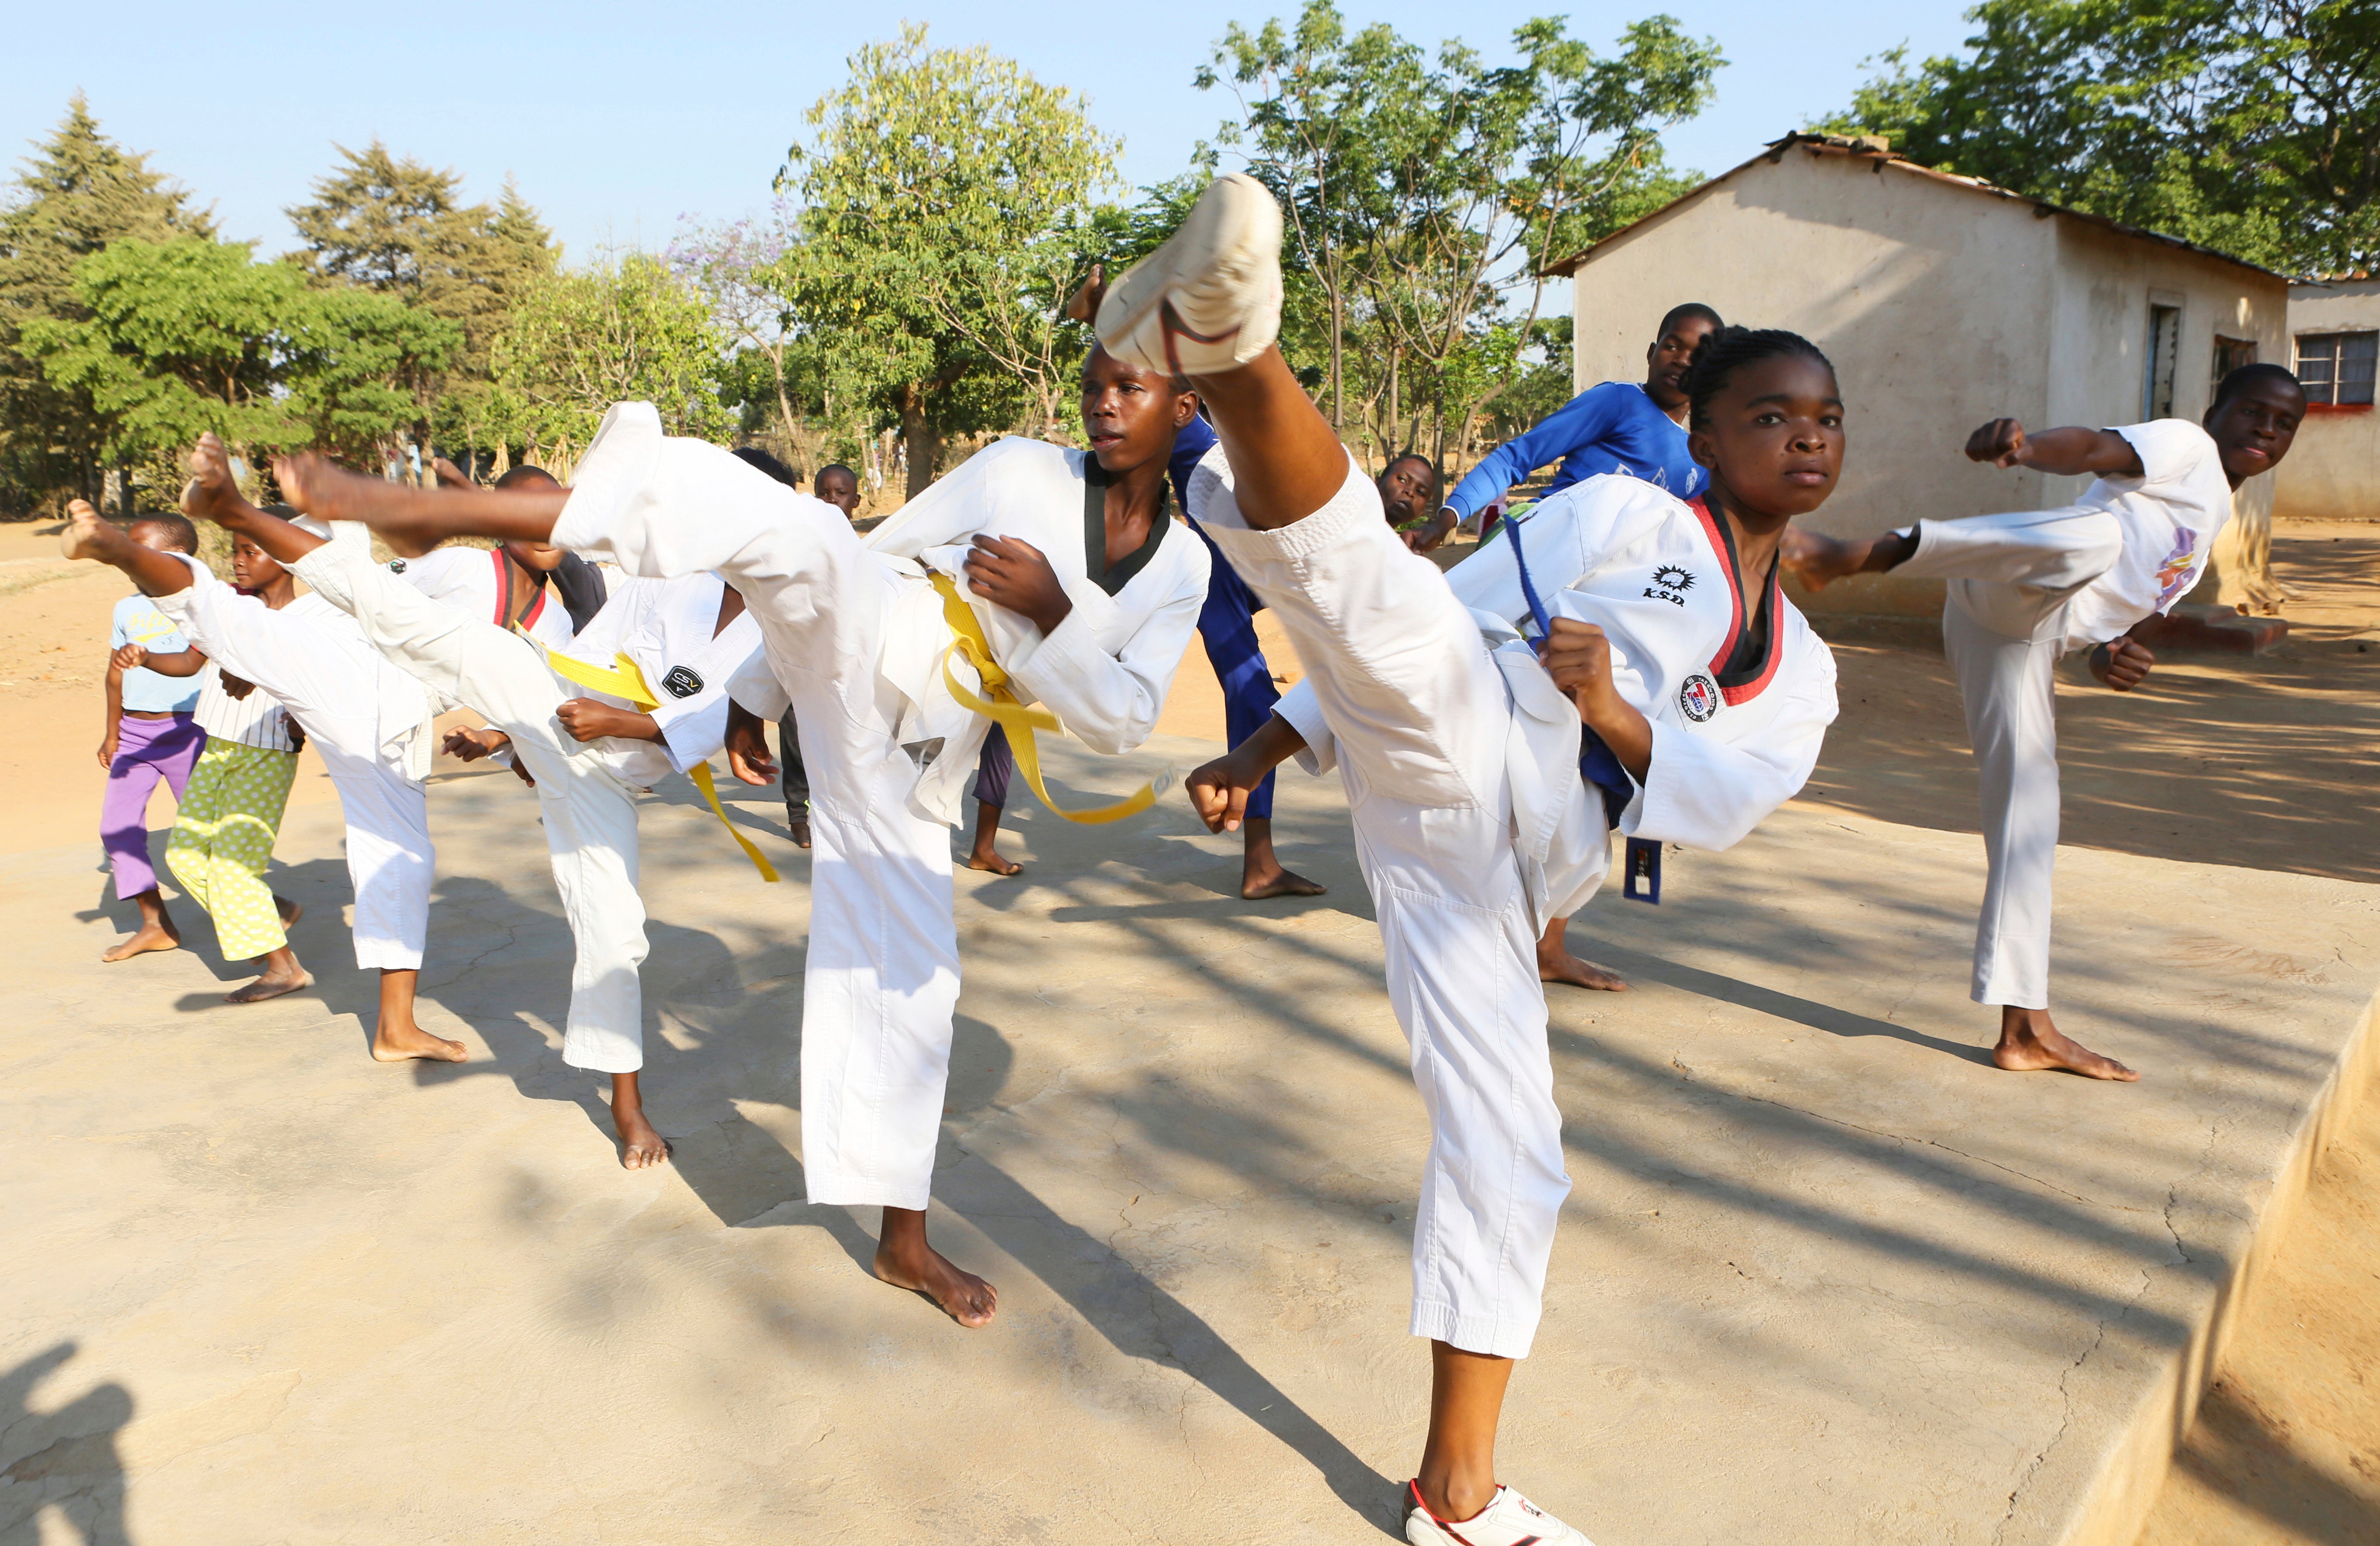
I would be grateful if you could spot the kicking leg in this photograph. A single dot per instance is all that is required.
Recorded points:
(1555, 964)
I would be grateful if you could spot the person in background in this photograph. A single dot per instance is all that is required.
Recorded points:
(152, 736)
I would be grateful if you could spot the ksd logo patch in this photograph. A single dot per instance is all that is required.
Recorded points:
(1699, 698)
(682, 682)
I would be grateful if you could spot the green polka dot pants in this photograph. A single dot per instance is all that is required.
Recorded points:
(223, 839)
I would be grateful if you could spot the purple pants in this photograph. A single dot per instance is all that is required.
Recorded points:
(146, 750)
(994, 769)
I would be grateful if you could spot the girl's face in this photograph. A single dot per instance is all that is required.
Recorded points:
(1774, 436)
(252, 567)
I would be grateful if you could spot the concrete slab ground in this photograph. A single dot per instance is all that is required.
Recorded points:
(1823, 1277)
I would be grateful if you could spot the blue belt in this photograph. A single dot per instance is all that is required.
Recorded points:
(1597, 763)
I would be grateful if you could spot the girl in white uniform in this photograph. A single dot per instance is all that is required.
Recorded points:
(2030, 586)
(1461, 758)
(1084, 595)
(370, 723)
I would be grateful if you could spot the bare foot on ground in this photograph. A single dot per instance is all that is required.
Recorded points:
(906, 1260)
(403, 1043)
(270, 985)
(799, 826)
(642, 1144)
(2029, 1042)
(1555, 964)
(150, 937)
(990, 860)
(1262, 885)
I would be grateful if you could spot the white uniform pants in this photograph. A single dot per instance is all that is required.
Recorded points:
(389, 860)
(881, 977)
(1421, 716)
(590, 817)
(2004, 627)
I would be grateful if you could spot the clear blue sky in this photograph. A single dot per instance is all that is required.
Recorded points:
(616, 120)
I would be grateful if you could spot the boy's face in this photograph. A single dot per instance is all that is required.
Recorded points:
(252, 567)
(1130, 415)
(839, 489)
(1666, 360)
(2254, 427)
(1408, 491)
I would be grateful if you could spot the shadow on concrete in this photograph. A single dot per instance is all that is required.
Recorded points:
(78, 1473)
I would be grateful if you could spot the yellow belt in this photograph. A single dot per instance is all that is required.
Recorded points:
(624, 681)
(1003, 708)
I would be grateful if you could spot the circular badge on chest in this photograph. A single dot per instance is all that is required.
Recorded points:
(1699, 698)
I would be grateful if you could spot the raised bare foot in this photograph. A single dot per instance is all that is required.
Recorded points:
(270, 985)
(148, 937)
(2029, 1042)
(1259, 886)
(212, 493)
(642, 1144)
(921, 1268)
(988, 859)
(1560, 966)
(403, 1043)
(88, 534)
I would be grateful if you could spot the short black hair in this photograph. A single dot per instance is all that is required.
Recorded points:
(1729, 349)
(522, 473)
(843, 468)
(1670, 318)
(184, 535)
(768, 464)
(2238, 381)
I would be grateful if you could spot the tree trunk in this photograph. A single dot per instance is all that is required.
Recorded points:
(919, 438)
(1337, 368)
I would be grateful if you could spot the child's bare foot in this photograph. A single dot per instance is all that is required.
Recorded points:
(918, 1267)
(642, 1144)
(150, 936)
(404, 1043)
(212, 493)
(799, 826)
(990, 860)
(1560, 966)
(88, 533)
(2029, 1042)
(273, 985)
(1259, 883)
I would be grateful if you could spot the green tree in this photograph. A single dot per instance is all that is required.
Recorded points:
(623, 329)
(393, 224)
(77, 193)
(192, 333)
(2250, 126)
(947, 205)
(1425, 193)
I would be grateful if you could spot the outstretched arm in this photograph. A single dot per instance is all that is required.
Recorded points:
(2072, 452)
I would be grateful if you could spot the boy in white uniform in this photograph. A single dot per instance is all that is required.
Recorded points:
(1066, 566)
(2027, 588)
(1461, 763)
(589, 810)
(369, 723)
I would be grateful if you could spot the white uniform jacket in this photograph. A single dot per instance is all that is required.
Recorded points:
(1657, 575)
(665, 625)
(478, 583)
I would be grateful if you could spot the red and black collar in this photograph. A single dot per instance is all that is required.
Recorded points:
(504, 616)
(1743, 685)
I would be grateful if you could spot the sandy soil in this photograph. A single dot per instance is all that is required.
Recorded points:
(2265, 763)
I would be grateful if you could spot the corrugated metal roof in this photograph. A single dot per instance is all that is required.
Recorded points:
(1874, 149)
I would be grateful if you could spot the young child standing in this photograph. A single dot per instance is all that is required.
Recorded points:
(2030, 586)
(151, 737)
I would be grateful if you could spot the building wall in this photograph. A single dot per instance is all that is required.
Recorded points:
(1941, 308)
(2333, 471)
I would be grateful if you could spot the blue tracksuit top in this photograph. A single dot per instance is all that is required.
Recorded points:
(1611, 428)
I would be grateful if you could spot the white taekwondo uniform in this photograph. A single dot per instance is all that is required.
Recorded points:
(856, 636)
(478, 582)
(2026, 588)
(1472, 824)
(586, 789)
(369, 721)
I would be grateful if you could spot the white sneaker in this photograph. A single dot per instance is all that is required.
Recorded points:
(1509, 1519)
(1220, 273)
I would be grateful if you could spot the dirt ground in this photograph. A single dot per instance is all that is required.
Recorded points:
(2268, 764)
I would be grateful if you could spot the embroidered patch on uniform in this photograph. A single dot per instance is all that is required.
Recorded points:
(1698, 699)
(396, 566)
(682, 682)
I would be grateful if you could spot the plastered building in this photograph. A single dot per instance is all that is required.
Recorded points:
(1943, 302)
(2333, 471)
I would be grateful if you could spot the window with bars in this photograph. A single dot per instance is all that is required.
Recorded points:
(2337, 367)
